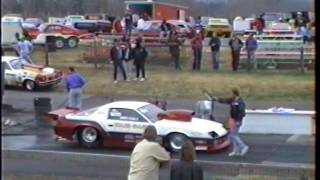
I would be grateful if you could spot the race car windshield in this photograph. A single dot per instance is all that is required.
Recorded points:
(151, 112)
(16, 64)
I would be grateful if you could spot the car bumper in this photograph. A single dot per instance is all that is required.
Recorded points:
(212, 145)
(48, 83)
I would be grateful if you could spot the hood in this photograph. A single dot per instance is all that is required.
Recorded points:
(195, 125)
(38, 69)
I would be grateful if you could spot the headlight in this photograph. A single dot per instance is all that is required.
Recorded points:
(213, 134)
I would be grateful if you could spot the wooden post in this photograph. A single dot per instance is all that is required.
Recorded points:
(47, 54)
(302, 59)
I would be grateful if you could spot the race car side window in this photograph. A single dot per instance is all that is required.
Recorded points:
(6, 66)
(125, 115)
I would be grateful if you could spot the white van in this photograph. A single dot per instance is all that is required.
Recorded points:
(8, 33)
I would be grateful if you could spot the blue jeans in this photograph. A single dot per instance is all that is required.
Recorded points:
(75, 98)
(215, 60)
(26, 57)
(236, 141)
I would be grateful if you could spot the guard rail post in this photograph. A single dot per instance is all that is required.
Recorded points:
(302, 59)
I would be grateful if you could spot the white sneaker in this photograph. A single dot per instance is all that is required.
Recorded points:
(142, 79)
(244, 150)
(135, 79)
(128, 80)
(233, 154)
(115, 82)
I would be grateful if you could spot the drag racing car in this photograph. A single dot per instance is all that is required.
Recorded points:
(29, 76)
(122, 123)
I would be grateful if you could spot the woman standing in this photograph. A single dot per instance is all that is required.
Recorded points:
(140, 54)
(186, 168)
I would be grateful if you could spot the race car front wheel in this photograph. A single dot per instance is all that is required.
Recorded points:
(29, 85)
(89, 137)
(176, 141)
(72, 42)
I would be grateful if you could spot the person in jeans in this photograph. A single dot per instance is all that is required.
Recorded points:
(116, 55)
(215, 44)
(174, 48)
(74, 84)
(140, 54)
(235, 44)
(196, 44)
(186, 168)
(147, 157)
(237, 112)
(251, 46)
(128, 22)
(25, 49)
(127, 56)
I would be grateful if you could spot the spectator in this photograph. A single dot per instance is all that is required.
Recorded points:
(300, 21)
(140, 54)
(186, 168)
(165, 29)
(196, 44)
(128, 22)
(127, 56)
(235, 44)
(25, 49)
(147, 157)
(141, 24)
(251, 46)
(237, 112)
(116, 56)
(74, 84)
(215, 44)
(174, 48)
(135, 18)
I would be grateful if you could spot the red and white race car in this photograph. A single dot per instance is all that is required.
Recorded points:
(121, 124)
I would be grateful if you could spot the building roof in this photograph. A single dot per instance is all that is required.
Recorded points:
(156, 2)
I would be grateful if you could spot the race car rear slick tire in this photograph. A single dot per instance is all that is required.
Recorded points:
(29, 85)
(72, 42)
(59, 43)
(89, 137)
(175, 142)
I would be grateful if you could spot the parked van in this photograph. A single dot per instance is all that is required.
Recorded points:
(219, 26)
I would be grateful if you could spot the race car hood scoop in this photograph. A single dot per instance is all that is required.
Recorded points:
(177, 115)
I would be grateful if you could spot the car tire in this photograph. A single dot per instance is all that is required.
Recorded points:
(29, 85)
(59, 43)
(175, 142)
(89, 137)
(72, 42)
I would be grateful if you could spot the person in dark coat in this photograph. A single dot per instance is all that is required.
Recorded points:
(235, 44)
(140, 54)
(215, 44)
(128, 22)
(174, 48)
(116, 57)
(196, 44)
(165, 28)
(237, 113)
(186, 168)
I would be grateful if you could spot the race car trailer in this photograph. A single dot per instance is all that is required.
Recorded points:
(158, 10)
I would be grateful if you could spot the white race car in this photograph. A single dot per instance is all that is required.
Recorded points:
(121, 124)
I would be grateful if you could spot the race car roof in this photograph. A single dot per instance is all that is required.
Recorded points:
(124, 104)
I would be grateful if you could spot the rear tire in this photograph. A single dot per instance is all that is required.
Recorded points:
(72, 42)
(89, 137)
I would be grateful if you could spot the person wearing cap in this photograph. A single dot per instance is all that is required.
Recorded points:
(147, 157)
(116, 55)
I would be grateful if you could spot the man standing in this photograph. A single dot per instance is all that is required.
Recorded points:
(74, 84)
(174, 48)
(251, 46)
(147, 157)
(117, 58)
(196, 44)
(128, 23)
(235, 44)
(215, 44)
(140, 55)
(25, 49)
(237, 112)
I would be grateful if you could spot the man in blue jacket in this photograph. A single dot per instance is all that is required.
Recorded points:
(74, 84)
(251, 46)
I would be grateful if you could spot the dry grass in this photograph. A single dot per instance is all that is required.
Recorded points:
(163, 80)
